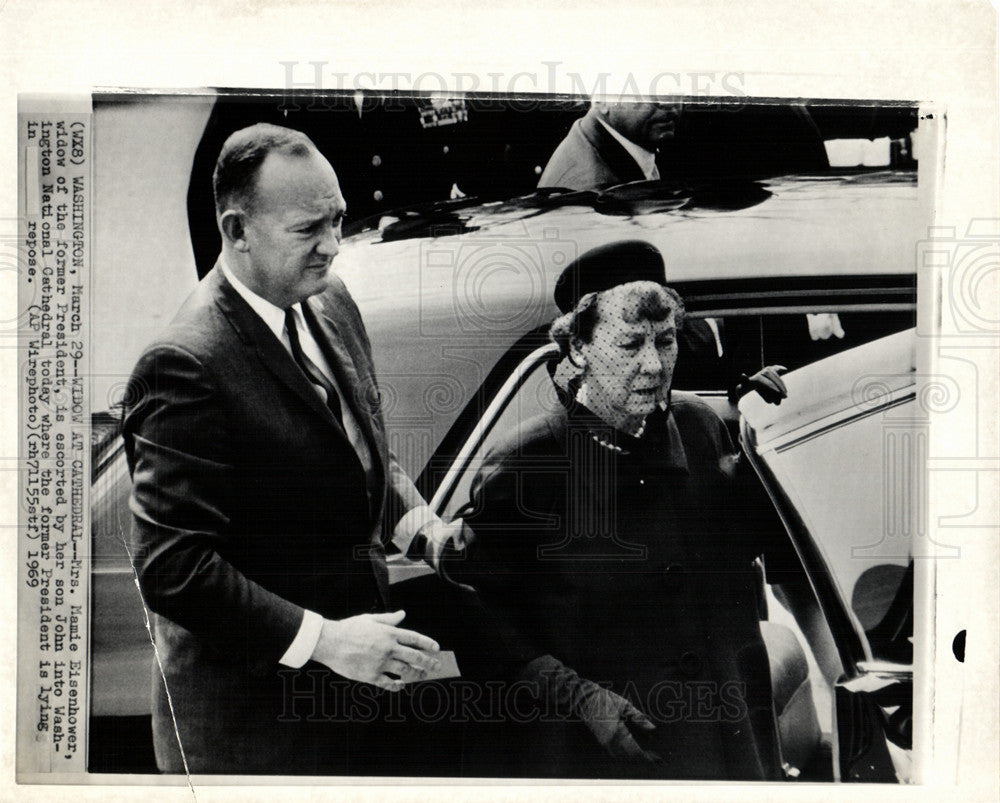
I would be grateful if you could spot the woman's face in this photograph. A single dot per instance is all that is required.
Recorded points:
(628, 367)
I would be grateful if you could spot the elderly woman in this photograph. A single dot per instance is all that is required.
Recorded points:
(607, 545)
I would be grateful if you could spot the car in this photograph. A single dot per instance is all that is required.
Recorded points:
(814, 272)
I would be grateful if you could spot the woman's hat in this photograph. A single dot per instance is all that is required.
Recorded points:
(608, 266)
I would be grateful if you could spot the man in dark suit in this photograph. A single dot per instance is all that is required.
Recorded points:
(612, 144)
(263, 491)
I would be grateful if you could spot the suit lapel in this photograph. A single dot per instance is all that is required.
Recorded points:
(272, 353)
(277, 359)
(612, 152)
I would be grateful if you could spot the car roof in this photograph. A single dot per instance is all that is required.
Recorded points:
(839, 223)
(830, 391)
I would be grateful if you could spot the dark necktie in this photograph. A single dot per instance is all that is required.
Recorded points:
(314, 376)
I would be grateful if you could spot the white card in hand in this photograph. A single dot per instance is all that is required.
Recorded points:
(448, 665)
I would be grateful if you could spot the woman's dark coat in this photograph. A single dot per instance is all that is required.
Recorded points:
(631, 568)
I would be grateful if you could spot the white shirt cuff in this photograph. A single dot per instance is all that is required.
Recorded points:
(413, 521)
(443, 536)
(305, 641)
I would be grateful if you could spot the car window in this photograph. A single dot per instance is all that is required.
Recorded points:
(798, 339)
(851, 485)
(535, 396)
(715, 350)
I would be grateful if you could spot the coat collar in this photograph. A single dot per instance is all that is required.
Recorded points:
(660, 443)
(618, 160)
(645, 159)
(273, 316)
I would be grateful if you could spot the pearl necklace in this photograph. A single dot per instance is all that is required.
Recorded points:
(615, 447)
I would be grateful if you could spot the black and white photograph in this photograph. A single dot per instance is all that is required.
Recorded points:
(470, 435)
(592, 396)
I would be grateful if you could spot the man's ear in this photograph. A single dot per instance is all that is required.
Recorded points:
(233, 227)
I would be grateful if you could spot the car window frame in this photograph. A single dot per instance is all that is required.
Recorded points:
(487, 422)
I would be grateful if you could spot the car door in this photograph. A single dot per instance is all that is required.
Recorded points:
(842, 468)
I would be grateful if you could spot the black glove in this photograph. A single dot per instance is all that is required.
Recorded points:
(610, 717)
(767, 382)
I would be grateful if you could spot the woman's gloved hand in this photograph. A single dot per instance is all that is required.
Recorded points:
(767, 382)
(611, 718)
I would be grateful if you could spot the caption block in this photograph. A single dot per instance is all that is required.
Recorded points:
(54, 548)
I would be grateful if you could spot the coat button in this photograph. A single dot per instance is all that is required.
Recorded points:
(673, 573)
(690, 664)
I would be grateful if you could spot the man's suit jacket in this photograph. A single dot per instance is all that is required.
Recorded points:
(250, 506)
(589, 158)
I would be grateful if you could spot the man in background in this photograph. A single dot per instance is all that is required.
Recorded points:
(612, 144)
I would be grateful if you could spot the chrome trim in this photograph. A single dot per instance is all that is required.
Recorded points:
(486, 422)
(834, 421)
(885, 668)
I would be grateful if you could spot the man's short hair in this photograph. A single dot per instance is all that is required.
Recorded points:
(233, 182)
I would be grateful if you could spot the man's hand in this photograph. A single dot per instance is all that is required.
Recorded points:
(370, 648)
(767, 382)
